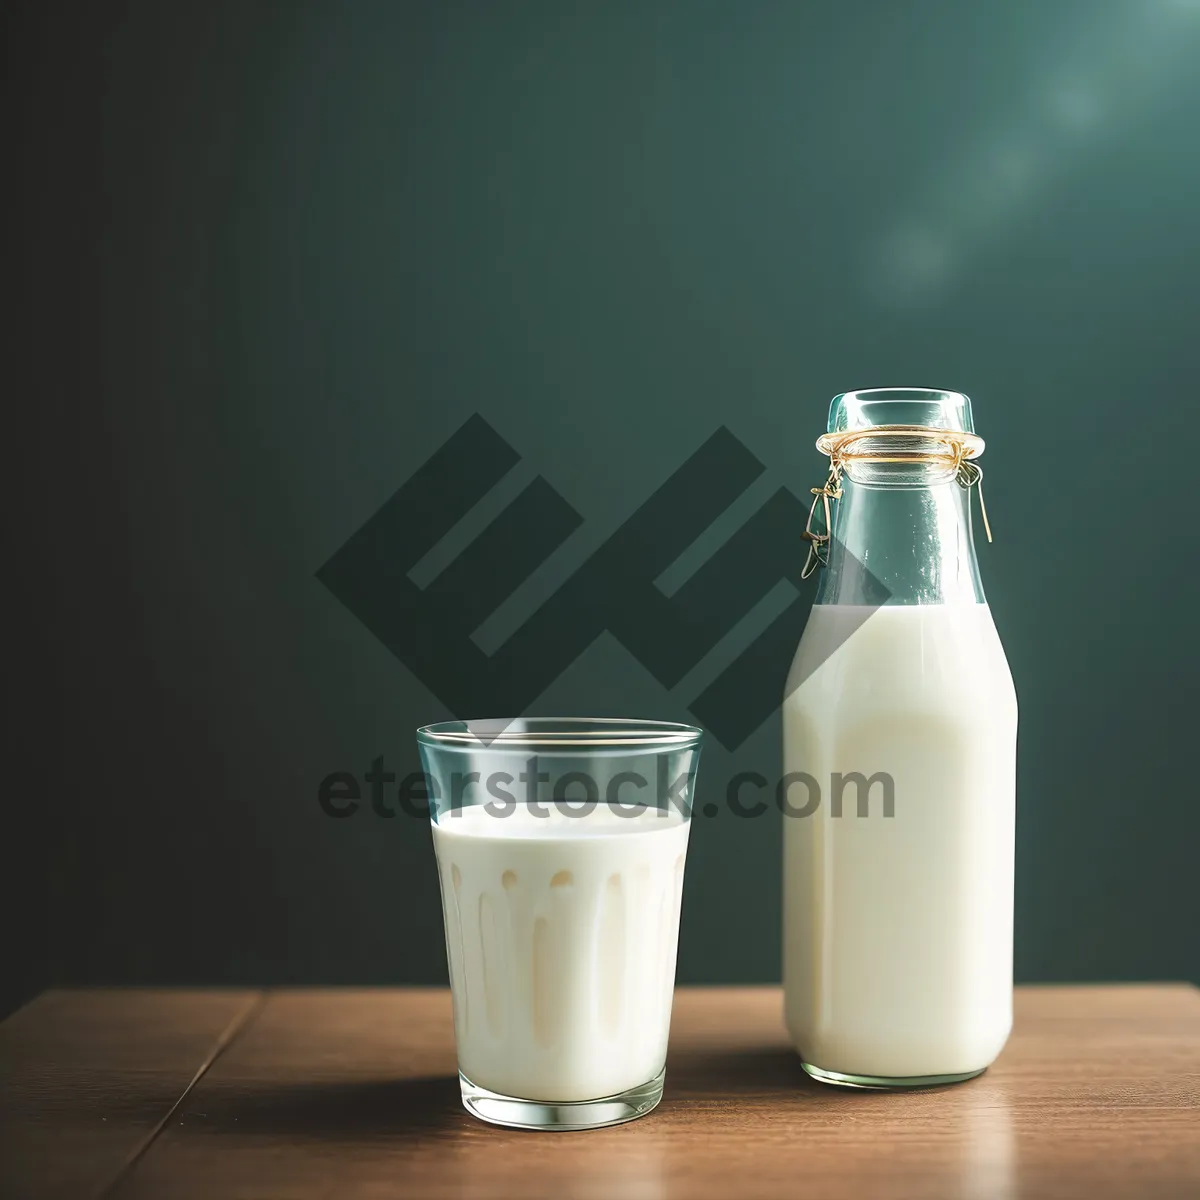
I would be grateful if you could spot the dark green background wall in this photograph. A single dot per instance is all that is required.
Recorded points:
(269, 256)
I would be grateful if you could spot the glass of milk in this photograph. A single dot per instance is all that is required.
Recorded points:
(560, 845)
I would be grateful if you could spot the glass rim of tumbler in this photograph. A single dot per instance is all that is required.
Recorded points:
(550, 735)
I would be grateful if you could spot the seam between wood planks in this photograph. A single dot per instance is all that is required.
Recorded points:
(238, 1024)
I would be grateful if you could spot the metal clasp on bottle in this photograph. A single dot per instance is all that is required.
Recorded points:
(970, 475)
(818, 543)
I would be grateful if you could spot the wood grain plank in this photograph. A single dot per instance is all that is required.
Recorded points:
(353, 1093)
(85, 1076)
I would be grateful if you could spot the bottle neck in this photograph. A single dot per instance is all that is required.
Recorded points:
(901, 538)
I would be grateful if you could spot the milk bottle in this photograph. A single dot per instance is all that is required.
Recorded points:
(900, 722)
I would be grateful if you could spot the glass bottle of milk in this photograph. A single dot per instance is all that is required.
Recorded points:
(900, 726)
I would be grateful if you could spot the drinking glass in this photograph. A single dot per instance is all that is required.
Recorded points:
(560, 845)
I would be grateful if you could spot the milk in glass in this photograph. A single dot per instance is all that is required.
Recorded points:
(561, 845)
(561, 933)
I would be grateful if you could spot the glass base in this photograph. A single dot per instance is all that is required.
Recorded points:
(579, 1114)
(882, 1082)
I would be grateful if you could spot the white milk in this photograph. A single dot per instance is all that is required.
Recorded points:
(561, 934)
(898, 931)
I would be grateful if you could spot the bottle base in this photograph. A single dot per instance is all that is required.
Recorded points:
(883, 1083)
(515, 1113)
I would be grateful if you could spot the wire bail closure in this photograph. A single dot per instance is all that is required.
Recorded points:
(818, 543)
(956, 450)
(970, 475)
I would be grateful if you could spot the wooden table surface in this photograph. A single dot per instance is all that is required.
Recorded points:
(353, 1093)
